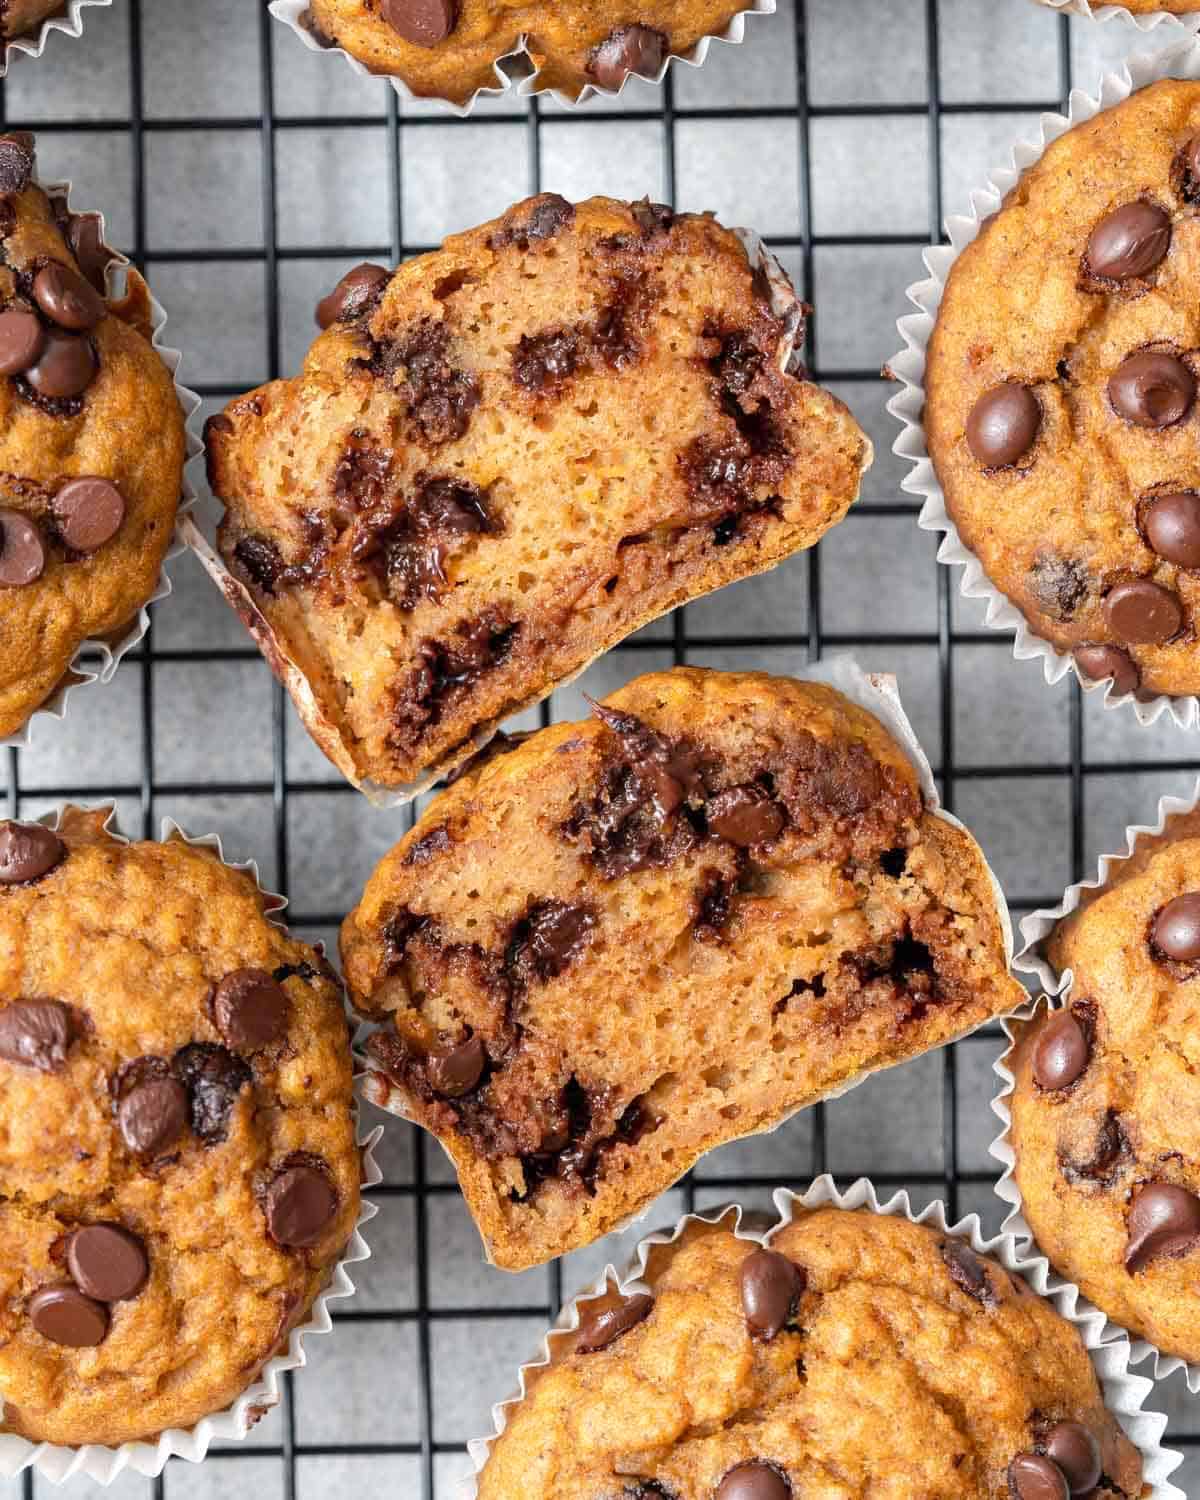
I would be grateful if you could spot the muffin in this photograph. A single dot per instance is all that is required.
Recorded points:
(503, 458)
(19, 17)
(178, 1167)
(1060, 390)
(92, 442)
(859, 1353)
(449, 48)
(1106, 1105)
(619, 943)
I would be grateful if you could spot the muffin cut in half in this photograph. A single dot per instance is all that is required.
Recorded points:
(626, 941)
(504, 458)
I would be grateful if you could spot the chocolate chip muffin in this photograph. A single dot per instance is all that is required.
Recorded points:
(178, 1168)
(1106, 1108)
(19, 17)
(1061, 409)
(448, 49)
(506, 456)
(858, 1354)
(618, 944)
(92, 442)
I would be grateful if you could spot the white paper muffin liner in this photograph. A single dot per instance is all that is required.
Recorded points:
(516, 72)
(1111, 12)
(198, 531)
(33, 44)
(1180, 60)
(80, 672)
(879, 695)
(103, 1464)
(1036, 928)
(1124, 1392)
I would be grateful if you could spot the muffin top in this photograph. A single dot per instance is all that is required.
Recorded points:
(178, 1168)
(861, 1354)
(1061, 410)
(92, 441)
(20, 16)
(1106, 1110)
(448, 48)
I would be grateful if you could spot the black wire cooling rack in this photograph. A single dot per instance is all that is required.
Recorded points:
(240, 1467)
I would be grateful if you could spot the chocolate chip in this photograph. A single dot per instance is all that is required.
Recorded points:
(455, 1073)
(89, 512)
(1176, 929)
(1077, 1453)
(153, 1115)
(1188, 169)
(66, 367)
(1101, 661)
(300, 1203)
(250, 1009)
(214, 1078)
(27, 852)
(1061, 1052)
(1060, 584)
(600, 1328)
(1032, 1477)
(22, 551)
(16, 161)
(627, 49)
(1143, 612)
(547, 939)
(754, 1481)
(260, 560)
(22, 339)
(1152, 389)
(351, 297)
(745, 815)
(1107, 1152)
(84, 233)
(1172, 527)
(36, 1034)
(771, 1286)
(424, 23)
(1003, 425)
(67, 298)
(1130, 241)
(64, 1315)
(107, 1262)
(968, 1271)
(542, 363)
(1164, 1220)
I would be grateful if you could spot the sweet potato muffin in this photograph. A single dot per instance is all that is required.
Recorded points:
(1061, 382)
(449, 48)
(17, 17)
(627, 941)
(859, 1354)
(178, 1168)
(508, 455)
(92, 442)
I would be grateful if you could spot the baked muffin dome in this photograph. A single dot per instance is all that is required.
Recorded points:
(178, 1167)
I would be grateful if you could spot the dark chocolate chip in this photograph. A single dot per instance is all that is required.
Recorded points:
(352, 295)
(1152, 389)
(1130, 241)
(968, 1271)
(22, 339)
(771, 1286)
(745, 815)
(628, 49)
(754, 1481)
(1032, 1477)
(22, 551)
(1003, 425)
(540, 364)
(1172, 527)
(107, 1262)
(1060, 584)
(89, 512)
(67, 298)
(64, 1315)
(1061, 1051)
(153, 1116)
(1077, 1453)
(300, 1203)
(36, 1034)
(1143, 612)
(455, 1073)
(547, 939)
(16, 161)
(214, 1078)
(1176, 929)
(1189, 163)
(85, 235)
(1164, 1220)
(250, 1009)
(65, 368)
(600, 1328)
(1100, 661)
(424, 23)
(27, 852)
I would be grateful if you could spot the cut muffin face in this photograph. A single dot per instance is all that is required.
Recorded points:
(856, 1346)
(507, 456)
(617, 944)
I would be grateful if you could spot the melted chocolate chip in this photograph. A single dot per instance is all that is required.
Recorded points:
(429, 846)
(1100, 661)
(1151, 389)
(745, 815)
(1143, 612)
(65, 1316)
(424, 23)
(214, 1078)
(1003, 425)
(22, 551)
(1060, 584)
(547, 939)
(541, 218)
(89, 512)
(153, 1115)
(754, 1481)
(652, 218)
(1175, 931)
(355, 294)
(22, 339)
(544, 362)
(968, 1271)
(67, 298)
(27, 852)
(260, 560)
(84, 233)
(600, 1327)
(1107, 1153)
(771, 1286)
(440, 397)
(1061, 1052)
(1164, 1221)
(1033, 1477)
(1130, 241)
(714, 905)
(16, 161)
(300, 1203)
(456, 1072)
(1077, 1453)
(412, 550)
(446, 670)
(250, 1009)
(107, 1262)
(36, 1034)
(628, 49)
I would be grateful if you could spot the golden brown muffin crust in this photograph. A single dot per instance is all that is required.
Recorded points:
(133, 940)
(20, 16)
